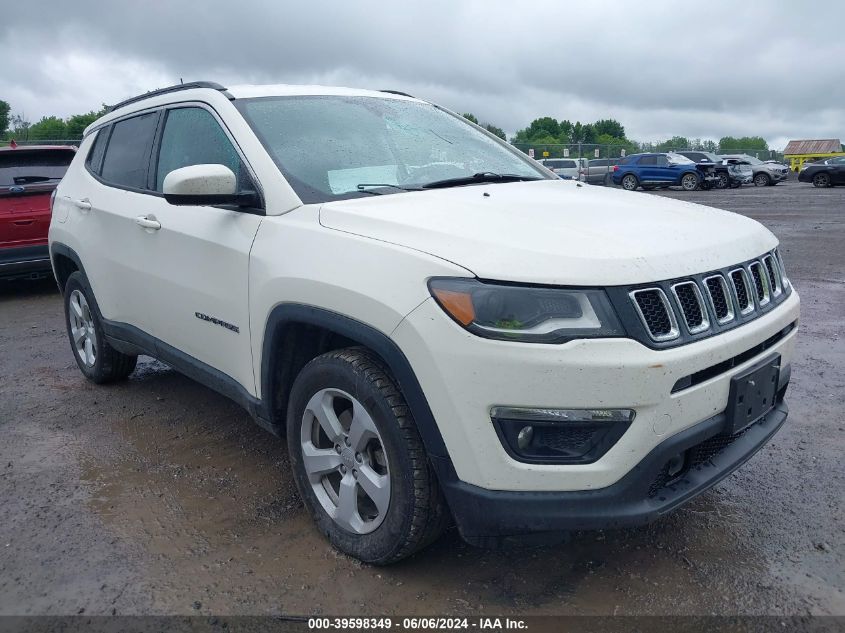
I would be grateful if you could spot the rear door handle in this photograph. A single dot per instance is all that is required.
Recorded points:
(148, 222)
(83, 205)
(22, 222)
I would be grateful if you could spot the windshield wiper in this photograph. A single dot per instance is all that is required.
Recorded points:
(482, 176)
(362, 187)
(21, 180)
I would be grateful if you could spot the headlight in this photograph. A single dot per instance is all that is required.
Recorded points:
(523, 313)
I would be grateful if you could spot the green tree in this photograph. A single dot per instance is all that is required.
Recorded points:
(610, 127)
(4, 116)
(729, 144)
(20, 126)
(493, 129)
(48, 128)
(615, 144)
(542, 128)
(78, 122)
(469, 116)
(674, 143)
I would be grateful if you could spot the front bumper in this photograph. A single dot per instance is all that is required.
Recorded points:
(779, 176)
(463, 377)
(489, 518)
(24, 262)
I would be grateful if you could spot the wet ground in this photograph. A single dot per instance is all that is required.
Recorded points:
(158, 496)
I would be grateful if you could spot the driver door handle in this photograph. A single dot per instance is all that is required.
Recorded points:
(82, 205)
(148, 223)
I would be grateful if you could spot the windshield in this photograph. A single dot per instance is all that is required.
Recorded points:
(677, 159)
(337, 147)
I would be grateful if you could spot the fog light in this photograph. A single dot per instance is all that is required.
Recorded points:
(523, 439)
(559, 436)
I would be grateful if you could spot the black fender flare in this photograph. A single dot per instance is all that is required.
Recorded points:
(371, 338)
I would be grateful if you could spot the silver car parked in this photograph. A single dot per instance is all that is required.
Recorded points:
(763, 174)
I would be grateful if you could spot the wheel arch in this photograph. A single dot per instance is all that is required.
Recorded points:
(65, 262)
(296, 333)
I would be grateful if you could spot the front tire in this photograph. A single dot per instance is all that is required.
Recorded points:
(97, 360)
(690, 182)
(358, 459)
(821, 180)
(762, 180)
(630, 182)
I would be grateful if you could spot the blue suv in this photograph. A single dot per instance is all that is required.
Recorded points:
(658, 171)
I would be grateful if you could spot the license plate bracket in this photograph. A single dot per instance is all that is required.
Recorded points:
(752, 394)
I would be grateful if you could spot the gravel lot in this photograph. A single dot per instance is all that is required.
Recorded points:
(159, 496)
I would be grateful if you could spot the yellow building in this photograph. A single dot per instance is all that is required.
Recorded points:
(800, 152)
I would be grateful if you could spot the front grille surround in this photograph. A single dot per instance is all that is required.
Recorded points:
(720, 298)
(773, 270)
(725, 298)
(760, 283)
(638, 297)
(742, 291)
(693, 310)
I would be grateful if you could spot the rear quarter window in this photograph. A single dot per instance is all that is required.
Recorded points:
(30, 166)
(127, 158)
(94, 160)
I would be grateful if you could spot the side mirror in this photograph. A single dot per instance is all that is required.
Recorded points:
(205, 185)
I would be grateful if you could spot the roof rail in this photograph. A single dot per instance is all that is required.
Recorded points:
(397, 92)
(168, 89)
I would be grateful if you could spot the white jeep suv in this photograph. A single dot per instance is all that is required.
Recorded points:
(443, 330)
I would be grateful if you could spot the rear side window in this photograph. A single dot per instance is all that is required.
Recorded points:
(128, 152)
(94, 161)
(192, 136)
(560, 164)
(31, 166)
(648, 160)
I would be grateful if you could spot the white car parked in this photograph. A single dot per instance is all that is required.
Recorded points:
(442, 329)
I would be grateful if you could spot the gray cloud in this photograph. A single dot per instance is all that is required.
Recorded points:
(662, 68)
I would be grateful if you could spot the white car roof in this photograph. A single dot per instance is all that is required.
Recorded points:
(175, 94)
(247, 91)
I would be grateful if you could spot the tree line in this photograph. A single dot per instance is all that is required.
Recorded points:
(547, 133)
(543, 132)
(49, 128)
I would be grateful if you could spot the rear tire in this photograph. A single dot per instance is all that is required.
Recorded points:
(630, 182)
(97, 360)
(366, 481)
(723, 182)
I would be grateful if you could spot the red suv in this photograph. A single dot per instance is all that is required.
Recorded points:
(28, 177)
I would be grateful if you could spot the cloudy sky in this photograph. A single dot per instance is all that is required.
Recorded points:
(697, 69)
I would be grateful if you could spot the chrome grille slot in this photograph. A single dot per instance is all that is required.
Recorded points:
(761, 283)
(656, 313)
(692, 306)
(720, 300)
(774, 275)
(742, 293)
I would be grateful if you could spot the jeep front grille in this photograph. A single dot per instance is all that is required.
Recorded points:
(655, 311)
(761, 283)
(742, 292)
(692, 306)
(720, 299)
(709, 303)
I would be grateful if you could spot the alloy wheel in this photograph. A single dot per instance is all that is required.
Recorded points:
(821, 180)
(629, 183)
(689, 182)
(345, 459)
(82, 328)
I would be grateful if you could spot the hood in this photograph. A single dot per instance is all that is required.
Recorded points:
(556, 232)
